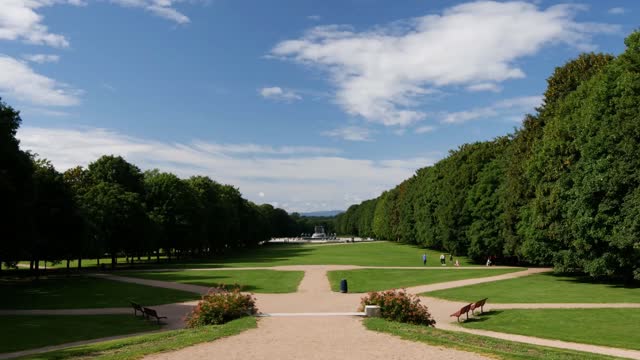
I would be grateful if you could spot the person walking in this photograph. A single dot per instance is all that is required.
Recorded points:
(424, 259)
(442, 260)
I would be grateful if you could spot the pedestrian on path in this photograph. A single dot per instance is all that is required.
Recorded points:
(443, 261)
(424, 259)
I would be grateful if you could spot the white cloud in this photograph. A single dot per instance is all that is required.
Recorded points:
(42, 58)
(484, 87)
(18, 80)
(255, 149)
(617, 11)
(503, 109)
(19, 20)
(22, 19)
(351, 133)
(277, 93)
(424, 129)
(162, 8)
(314, 17)
(261, 194)
(380, 74)
(302, 181)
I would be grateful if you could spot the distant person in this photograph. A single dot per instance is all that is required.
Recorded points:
(424, 259)
(457, 263)
(442, 260)
(488, 261)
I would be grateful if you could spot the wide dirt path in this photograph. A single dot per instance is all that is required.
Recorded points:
(313, 338)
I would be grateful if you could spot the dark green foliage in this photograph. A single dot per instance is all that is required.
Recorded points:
(113, 208)
(16, 170)
(561, 190)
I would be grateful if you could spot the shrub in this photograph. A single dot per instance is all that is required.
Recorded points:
(221, 305)
(397, 305)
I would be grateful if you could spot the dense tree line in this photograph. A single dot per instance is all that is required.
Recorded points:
(112, 208)
(564, 189)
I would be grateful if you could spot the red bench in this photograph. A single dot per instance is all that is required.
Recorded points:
(464, 310)
(478, 304)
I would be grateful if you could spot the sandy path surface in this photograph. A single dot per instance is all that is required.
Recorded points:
(313, 338)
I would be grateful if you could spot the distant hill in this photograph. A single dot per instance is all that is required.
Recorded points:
(322, 213)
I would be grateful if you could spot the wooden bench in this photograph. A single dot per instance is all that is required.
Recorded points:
(136, 307)
(152, 313)
(478, 304)
(464, 310)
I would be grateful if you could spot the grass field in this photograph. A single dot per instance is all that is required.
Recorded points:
(138, 346)
(258, 281)
(494, 348)
(81, 292)
(22, 332)
(365, 280)
(379, 253)
(607, 327)
(92, 263)
(543, 288)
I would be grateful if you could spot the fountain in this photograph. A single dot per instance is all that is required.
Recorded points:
(318, 233)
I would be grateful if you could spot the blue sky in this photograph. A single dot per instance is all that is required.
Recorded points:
(308, 105)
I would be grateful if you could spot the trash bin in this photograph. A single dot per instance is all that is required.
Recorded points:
(343, 286)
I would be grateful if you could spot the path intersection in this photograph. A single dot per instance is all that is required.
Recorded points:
(317, 323)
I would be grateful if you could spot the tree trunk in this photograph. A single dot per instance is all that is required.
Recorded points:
(68, 264)
(158, 256)
(114, 260)
(31, 265)
(79, 263)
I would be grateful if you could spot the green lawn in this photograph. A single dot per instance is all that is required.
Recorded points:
(379, 253)
(543, 288)
(259, 281)
(607, 327)
(365, 280)
(91, 263)
(82, 292)
(138, 346)
(20, 332)
(494, 348)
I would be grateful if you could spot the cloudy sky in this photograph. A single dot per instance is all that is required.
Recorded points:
(307, 105)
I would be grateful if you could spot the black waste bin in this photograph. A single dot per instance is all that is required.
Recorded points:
(343, 286)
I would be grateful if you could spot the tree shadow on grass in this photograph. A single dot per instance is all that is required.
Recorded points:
(271, 254)
(584, 279)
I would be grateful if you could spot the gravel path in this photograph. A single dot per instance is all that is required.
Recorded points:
(313, 338)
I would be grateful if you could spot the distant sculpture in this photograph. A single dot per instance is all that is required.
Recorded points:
(319, 233)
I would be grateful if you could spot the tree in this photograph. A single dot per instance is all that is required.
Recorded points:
(173, 206)
(117, 217)
(57, 230)
(116, 170)
(16, 170)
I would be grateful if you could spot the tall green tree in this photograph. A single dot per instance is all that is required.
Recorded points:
(16, 170)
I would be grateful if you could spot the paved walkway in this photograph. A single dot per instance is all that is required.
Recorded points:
(316, 323)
